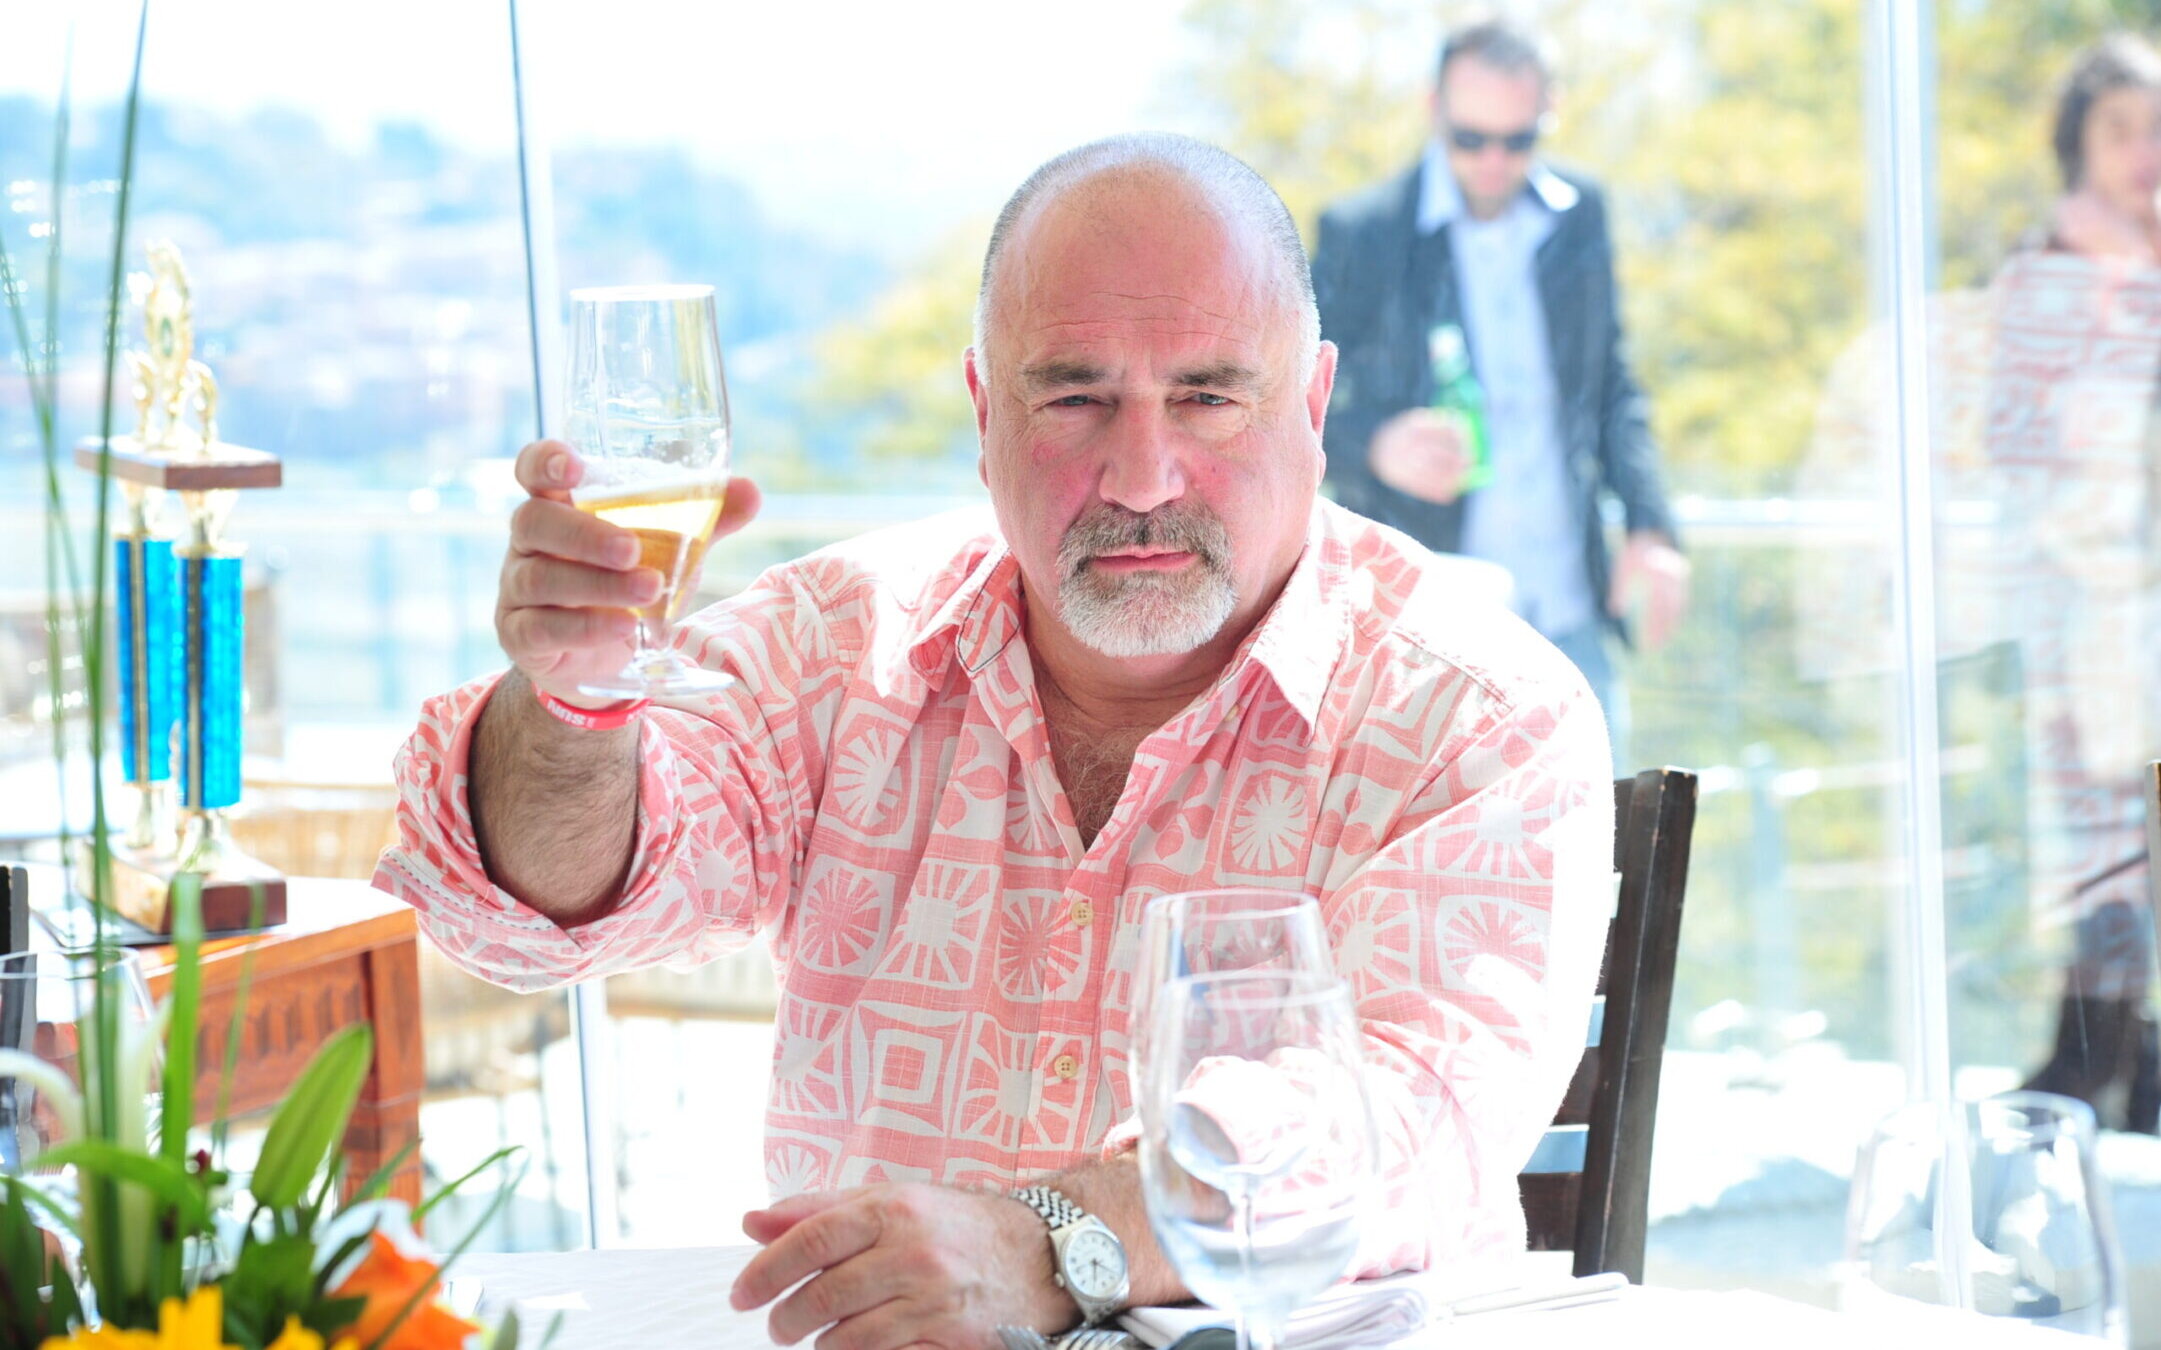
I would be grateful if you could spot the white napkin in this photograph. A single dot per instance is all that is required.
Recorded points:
(1370, 1312)
(1395, 1307)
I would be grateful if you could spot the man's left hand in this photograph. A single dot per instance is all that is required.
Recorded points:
(1653, 568)
(887, 1266)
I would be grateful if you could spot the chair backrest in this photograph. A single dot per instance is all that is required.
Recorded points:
(1586, 1189)
(14, 909)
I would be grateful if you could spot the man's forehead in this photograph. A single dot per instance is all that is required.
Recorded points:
(1141, 335)
(1178, 283)
(1476, 79)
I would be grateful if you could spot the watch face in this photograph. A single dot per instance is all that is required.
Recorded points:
(1095, 1265)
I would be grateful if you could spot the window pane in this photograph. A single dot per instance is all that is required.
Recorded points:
(2045, 344)
(345, 199)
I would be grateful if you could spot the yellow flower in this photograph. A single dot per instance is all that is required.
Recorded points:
(196, 1325)
(298, 1337)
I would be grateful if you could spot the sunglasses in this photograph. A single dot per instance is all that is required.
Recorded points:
(1514, 142)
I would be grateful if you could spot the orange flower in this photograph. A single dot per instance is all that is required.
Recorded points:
(388, 1279)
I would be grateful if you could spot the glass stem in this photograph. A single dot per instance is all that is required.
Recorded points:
(1254, 1333)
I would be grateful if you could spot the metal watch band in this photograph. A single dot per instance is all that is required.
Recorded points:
(1057, 1211)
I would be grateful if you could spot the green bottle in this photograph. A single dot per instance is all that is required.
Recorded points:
(1456, 391)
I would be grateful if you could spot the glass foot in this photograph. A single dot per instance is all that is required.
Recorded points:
(659, 674)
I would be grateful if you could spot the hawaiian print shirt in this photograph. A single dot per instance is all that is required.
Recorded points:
(877, 797)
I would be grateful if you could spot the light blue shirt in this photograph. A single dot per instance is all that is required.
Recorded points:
(1528, 519)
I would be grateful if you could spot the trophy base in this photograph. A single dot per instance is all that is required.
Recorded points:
(143, 883)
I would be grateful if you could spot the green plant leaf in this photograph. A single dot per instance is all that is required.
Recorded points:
(186, 996)
(346, 1249)
(329, 1316)
(66, 1309)
(179, 1088)
(505, 1335)
(55, 1212)
(165, 1181)
(450, 1188)
(378, 1183)
(22, 1267)
(269, 1281)
(235, 1022)
(312, 1118)
(304, 1219)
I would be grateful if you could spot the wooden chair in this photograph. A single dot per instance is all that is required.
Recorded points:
(1587, 1187)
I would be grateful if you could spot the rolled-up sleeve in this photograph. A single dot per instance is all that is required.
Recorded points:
(723, 797)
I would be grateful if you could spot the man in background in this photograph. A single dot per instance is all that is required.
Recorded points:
(1484, 255)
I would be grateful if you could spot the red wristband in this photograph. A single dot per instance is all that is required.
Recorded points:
(589, 719)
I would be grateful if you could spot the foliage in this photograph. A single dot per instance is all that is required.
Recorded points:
(893, 378)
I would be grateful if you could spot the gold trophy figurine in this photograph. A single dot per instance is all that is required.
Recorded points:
(169, 381)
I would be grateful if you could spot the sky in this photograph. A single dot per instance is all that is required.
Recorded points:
(876, 123)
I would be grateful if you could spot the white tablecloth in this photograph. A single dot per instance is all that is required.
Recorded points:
(627, 1299)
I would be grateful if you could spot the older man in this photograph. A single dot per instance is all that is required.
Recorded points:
(962, 755)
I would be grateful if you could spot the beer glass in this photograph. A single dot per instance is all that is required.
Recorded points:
(647, 410)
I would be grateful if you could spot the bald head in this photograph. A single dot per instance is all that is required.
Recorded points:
(1113, 178)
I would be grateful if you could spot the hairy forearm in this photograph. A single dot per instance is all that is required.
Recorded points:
(555, 807)
(1111, 1190)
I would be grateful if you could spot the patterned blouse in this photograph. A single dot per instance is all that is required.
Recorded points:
(877, 797)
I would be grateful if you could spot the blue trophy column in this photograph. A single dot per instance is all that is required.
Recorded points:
(147, 602)
(210, 744)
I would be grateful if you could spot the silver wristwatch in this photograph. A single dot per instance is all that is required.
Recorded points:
(1087, 1259)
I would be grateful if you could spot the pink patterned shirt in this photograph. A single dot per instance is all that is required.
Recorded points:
(877, 796)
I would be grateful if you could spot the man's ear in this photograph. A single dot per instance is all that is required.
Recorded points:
(978, 392)
(1321, 386)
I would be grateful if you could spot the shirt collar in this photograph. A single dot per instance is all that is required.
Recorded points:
(1300, 640)
(1297, 643)
(1440, 199)
(976, 621)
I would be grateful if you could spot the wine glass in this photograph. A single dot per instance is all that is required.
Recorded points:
(648, 413)
(1231, 928)
(1995, 1206)
(1257, 1143)
(47, 1011)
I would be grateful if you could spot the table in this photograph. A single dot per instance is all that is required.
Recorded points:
(346, 954)
(625, 1299)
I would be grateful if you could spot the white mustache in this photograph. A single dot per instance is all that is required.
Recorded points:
(1113, 529)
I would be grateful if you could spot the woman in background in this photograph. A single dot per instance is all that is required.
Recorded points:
(2107, 139)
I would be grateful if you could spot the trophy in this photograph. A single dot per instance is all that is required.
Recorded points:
(180, 621)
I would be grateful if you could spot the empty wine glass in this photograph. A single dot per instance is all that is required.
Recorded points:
(1995, 1206)
(47, 1013)
(648, 413)
(46, 1004)
(1257, 1144)
(1231, 928)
